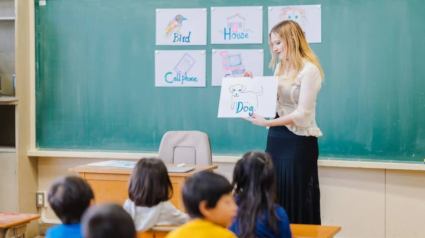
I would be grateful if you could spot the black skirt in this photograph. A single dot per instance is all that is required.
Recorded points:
(295, 161)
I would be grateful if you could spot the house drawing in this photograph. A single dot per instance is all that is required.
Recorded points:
(236, 23)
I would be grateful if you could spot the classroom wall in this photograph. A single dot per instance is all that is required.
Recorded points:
(8, 182)
(370, 203)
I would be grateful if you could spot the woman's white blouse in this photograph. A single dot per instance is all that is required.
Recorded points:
(297, 98)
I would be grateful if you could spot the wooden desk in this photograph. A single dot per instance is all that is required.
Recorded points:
(307, 231)
(15, 224)
(298, 231)
(110, 184)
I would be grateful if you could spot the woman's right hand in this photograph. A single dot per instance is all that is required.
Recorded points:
(248, 74)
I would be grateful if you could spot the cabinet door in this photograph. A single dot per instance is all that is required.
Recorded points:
(8, 182)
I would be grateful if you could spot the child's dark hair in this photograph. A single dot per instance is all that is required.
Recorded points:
(254, 181)
(69, 197)
(108, 221)
(149, 183)
(204, 186)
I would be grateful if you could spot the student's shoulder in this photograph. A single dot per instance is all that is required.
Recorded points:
(129, 206)
(227, 233)
(128, 203)
(168, 209)
(310, 68)
(181, 231)
(200, 228)
(281, 213)
(50, 233)
(218, 231)
(62, 231)
(54, 230)
(280, 210)
(166, 204)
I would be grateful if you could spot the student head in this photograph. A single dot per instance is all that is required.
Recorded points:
(207, 195)
(69, 197)
(289, 46)
(149, 183)
(108, 221)
(254, 182)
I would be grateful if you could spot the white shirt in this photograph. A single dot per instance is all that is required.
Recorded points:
(165, 213)
(297, 98)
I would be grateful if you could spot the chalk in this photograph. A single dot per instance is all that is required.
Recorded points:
(181, 165)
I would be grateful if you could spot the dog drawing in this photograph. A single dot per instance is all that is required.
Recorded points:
(239, 94)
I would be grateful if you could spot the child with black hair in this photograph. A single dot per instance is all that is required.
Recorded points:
(149, 192)
(254, 181)
(209, 201)
(107, 221)
(69, 197)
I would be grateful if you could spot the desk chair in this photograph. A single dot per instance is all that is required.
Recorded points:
(189, 147)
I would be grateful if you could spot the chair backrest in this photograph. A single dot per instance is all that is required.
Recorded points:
(189, 147)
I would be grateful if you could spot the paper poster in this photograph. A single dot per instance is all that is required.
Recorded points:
(180, 68)
(234, 63)
(240, 97)
(309, 17)
(237, 25)
(181, 26)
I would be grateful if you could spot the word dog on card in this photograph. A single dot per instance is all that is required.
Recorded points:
(240, 97)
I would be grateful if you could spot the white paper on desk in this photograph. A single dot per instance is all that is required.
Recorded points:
(115, 163)
(242, 96)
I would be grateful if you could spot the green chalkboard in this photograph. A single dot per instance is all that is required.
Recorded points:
(95, 79)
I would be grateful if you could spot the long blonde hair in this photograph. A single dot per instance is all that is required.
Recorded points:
(296, 48)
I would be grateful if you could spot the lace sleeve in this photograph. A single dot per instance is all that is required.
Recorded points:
(310, 86)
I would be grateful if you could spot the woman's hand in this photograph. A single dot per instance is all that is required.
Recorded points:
(248, 74)
(257, 120)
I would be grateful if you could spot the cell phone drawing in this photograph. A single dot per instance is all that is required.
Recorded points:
(185, 64)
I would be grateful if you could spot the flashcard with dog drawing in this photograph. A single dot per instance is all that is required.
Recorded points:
(234, 62)
(240, 97)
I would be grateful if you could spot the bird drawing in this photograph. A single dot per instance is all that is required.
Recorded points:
(174, 25)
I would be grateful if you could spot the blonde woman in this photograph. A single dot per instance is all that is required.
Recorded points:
(292, 138)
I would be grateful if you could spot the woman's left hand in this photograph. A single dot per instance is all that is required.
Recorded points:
(257, 120)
